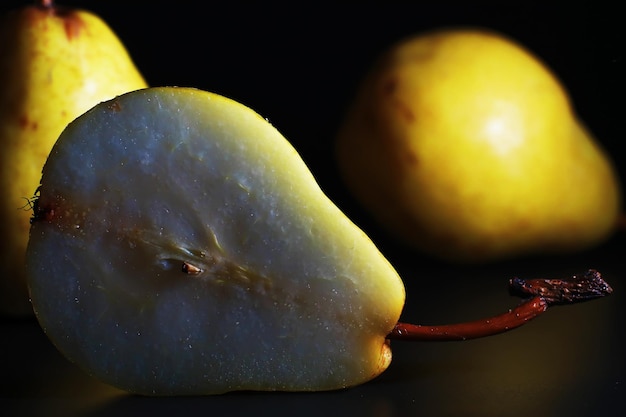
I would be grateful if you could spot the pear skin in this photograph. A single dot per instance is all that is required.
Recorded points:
(182, 247)
(55, 64)
(463, 145)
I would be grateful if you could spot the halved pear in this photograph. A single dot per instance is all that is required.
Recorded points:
(180, 246)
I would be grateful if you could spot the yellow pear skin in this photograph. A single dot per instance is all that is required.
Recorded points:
(55, 63)
(464, 145)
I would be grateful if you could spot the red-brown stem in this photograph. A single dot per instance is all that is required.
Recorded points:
(540, 293)
(45, 3)
(472, 329)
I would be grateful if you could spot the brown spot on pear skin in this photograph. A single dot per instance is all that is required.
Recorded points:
(388, 90)
(411, 158)
(114, 106)
(389, 87)
(73, 25)
(72, 22)
(26, 123)
(404, 110)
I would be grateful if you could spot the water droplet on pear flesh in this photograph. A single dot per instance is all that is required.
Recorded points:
(180, 246)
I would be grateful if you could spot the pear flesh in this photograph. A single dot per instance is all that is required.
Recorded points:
(180, 246)
(55, 64)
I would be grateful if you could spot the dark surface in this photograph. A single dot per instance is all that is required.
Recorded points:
(298, 66)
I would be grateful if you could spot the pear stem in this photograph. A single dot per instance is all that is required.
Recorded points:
(539, 293)
(46, 3)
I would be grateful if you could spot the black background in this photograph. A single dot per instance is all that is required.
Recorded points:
(298, 64)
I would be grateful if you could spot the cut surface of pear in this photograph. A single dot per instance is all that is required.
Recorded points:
(461, 143)
(181, 246)
(55, 63)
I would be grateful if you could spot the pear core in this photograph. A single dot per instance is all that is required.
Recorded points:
(180, 246)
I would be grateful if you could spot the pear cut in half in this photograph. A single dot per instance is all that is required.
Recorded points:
(180, 246)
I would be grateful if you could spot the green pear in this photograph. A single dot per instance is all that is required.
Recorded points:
(55, 63)
(180, 246)
(464, 145)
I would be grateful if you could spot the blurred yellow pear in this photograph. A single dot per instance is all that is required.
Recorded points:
(465, 146)
(55, 63)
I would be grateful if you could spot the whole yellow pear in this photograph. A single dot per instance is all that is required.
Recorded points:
(55, 63)
(464, 145)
